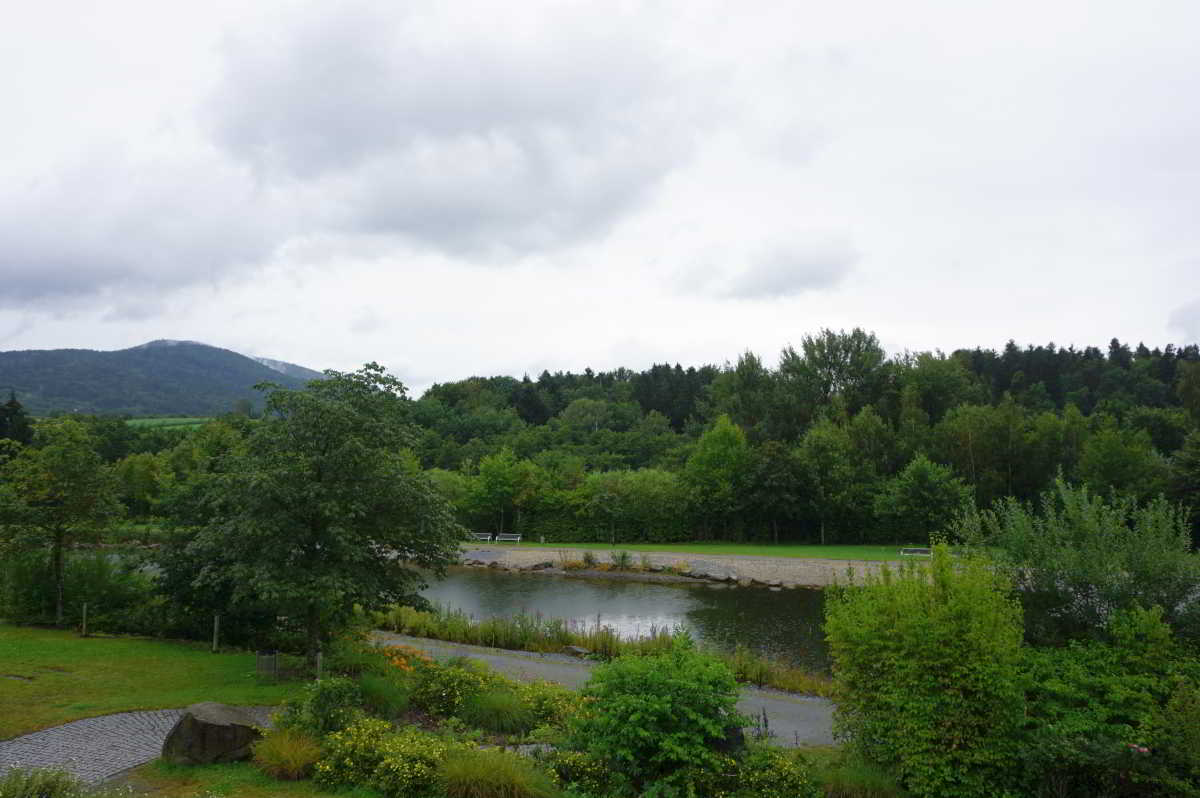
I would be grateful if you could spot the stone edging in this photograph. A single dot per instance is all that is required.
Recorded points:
(741, 569)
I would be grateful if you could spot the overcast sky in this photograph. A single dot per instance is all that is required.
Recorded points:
(453, 188)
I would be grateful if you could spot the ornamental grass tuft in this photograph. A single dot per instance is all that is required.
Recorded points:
(493, 773)
(287, 754)
(501, 711)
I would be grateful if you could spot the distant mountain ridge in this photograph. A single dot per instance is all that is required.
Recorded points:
(162, 377)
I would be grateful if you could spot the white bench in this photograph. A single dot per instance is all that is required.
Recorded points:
(483, 536)
(507, 537)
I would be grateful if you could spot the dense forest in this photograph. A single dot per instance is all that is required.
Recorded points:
(837, 442)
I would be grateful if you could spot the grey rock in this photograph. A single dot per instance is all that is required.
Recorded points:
(535, 749)
(209, 732)
(578, 651)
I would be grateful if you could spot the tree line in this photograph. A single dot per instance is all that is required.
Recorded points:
(837, 443)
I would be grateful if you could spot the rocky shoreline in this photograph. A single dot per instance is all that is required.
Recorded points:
(742, 570)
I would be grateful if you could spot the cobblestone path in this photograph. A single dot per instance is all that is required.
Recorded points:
(96, 748)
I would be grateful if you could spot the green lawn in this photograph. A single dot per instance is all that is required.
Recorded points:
(178, 421)
(755, 549)
(67, 677)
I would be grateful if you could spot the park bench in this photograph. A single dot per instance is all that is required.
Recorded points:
(506, 537)
(483, 536)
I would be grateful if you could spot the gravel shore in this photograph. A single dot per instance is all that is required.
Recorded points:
(743, 569)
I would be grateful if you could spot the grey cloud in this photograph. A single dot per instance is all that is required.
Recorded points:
(1185, 321)
(466, 143)
(108, 225)
(788, 270)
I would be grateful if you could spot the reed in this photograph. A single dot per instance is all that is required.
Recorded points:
(532, 632)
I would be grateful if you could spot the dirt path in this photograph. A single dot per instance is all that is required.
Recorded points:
(793, 720)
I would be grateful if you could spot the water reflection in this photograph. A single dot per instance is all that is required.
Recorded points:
(785, 625)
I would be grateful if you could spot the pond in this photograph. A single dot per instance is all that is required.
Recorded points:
(784, 625)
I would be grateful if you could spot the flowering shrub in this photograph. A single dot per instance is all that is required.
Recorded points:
(551, 704)
(351, 755)
(772, 773)
(410, 763)
(405, 657)
(580, 772)
(441, 689)
(403, 764)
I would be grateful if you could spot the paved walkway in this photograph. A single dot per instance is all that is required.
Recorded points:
(95, 749)
(793, 720)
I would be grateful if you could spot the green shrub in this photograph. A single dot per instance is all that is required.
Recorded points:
(1078, 558)
(655, 719)
(927, 668)
(493, 774)
(287, 754)
(772, 773)
(385, 695)
(352, 656)
(323, 706)
(1112, 718)
(120, 597)
(501, 711)
(589, 558)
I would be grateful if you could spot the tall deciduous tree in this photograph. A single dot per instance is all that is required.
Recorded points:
(827, 458)
(58, 491)
(715, 470)
(326, 509)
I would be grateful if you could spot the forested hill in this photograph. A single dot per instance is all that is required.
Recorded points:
(158, 378)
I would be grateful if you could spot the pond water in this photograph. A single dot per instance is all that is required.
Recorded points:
(784, 625)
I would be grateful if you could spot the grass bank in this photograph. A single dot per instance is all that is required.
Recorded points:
(49, 677)
(799, 551)
(524, 632)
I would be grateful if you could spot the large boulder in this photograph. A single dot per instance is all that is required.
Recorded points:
(211, 732)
